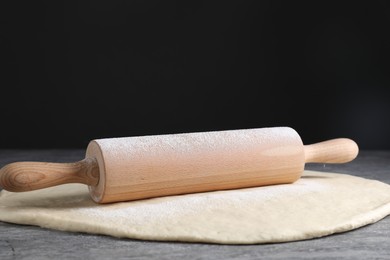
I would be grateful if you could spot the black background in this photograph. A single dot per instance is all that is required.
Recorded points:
(75, 71)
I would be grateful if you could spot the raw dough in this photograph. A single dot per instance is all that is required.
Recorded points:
(318, 204)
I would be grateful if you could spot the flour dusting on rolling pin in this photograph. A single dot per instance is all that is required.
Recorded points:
(131, 168)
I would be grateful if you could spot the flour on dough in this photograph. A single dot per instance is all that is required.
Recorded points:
(318, 204)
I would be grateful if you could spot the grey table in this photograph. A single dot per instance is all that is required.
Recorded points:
(29, 242)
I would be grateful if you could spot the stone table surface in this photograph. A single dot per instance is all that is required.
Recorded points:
(30, 242)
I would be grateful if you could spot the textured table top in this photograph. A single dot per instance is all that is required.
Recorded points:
(29, 242)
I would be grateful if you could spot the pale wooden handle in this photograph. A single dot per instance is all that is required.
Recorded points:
(340, 150)
(27, 176)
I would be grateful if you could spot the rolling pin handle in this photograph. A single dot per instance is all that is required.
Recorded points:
(339, 150)
(27, 176)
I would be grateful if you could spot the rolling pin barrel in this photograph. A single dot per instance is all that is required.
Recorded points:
(131, 168)
(150, 166)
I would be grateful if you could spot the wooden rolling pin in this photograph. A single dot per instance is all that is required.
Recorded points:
(131, 168)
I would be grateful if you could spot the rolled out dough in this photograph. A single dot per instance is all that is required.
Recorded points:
(318, 204)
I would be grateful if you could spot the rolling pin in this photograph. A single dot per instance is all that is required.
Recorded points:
(132, 168)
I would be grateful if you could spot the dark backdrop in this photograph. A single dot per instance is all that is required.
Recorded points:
(75, 71)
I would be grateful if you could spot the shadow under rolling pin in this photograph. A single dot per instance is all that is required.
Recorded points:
(132, 168)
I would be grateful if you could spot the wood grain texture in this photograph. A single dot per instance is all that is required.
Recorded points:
(339, 150)
(28, 242)
(27, 176)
